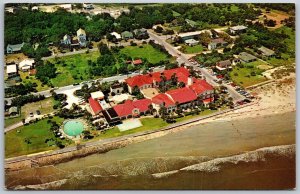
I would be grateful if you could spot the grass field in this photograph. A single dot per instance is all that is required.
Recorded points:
(32, 79)
(243, 75)
(192, 49)
(45, 106)
(37, 133)
(147, 51)
(75, 69)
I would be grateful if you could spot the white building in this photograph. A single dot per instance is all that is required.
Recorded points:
(26, 64)
(117, 35)
(97, 95)
(191, 42)
(11, 70)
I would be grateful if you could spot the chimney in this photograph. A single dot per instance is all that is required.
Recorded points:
(190, 80)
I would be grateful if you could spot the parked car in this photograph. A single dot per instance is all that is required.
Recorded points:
(38, 112)
(31, 114)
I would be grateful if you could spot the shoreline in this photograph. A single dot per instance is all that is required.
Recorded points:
(267, 105)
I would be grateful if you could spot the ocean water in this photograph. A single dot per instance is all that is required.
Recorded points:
(255, 153)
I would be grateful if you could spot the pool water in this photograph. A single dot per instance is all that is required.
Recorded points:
(73, 128)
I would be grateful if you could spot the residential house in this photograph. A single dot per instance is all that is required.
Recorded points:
(191, 42)
(66, 40)
(215, 43)
(88, 6)
(81, 36)
(11, 70)
(131, 108)
(266, 52)
(137, 62)
(26, 64)
(116, 88)
(13, 111)
(203, 90)
(223, 65)
(126, 35)
(117, 35)
(140, 33)
(14, 48)
(192, 23)
(246, 57)
(67, 7)
(192, 35)
(237, 29)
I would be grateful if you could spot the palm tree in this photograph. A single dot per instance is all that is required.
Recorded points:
(150, 107)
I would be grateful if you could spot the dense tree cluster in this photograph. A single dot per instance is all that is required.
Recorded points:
(21, 89)
(286, 7)
(21, 100)
(46, 72)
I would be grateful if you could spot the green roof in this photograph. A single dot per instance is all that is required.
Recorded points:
(126, 34)
(266, 51)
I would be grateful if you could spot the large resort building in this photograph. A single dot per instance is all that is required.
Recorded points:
(193, 92)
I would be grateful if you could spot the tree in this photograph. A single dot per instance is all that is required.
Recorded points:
(46, 72)
(163, 112)
(204, 38)
(103, 49)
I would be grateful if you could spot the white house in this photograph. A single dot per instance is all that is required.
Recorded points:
(26, 64)
(191, 42)
(117, 35)
(11, 70)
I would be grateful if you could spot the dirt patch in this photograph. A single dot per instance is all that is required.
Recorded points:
(15, 58)
(277, 16)
(264, 67)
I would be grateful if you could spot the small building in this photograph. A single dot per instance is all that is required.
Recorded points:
(191, 42)
(26, 64)
(13, 111)
(111, 117)
(246, 57)
(126, 35)
(237, 29)
(95, 106)
(192, 35)
(140, 33)
(116, 88)
(81, 35)
(66, 40)
(215, 43)
(266, 52)
(117, 35)
(97, 95)
(137, 62)
(191, 23)
(67, 7)
(35, 8)
(88, 6)
(223, 65)
(14, 48)
(11, 70)
(120, 98)
(32, 72)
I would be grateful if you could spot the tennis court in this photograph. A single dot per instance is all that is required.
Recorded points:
(130, 124)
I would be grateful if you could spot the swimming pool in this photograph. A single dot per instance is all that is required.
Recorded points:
(73, 127)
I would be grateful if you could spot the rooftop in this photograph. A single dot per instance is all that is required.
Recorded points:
(191, 41)
(200, 86)
(236, 28)
(11, 68)
(129, 105)
(15, 47)
(163, 99)
(182, 95)
(246, 56)
(95, 105)
(266, 51)
(97, 95)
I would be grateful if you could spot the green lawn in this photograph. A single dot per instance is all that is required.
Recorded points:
(37, 133)
(147, 51)
(45, 106)
(192, 49)
(75, 69)
(33, 79)
(234, 8)
(243, 75)
(149, 124)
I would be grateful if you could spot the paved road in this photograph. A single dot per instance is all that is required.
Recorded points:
(182, 58)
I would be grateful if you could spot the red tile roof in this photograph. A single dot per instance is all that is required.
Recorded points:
(32, 71)
(208, 100)
(127, 107)
(140, 80)
(162, 98)
(96, 107)
(137, 62)
(182, 95)
(200, 86)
